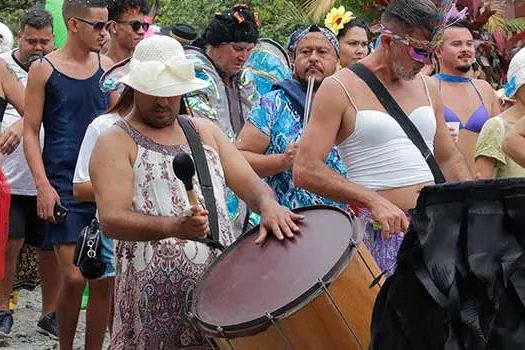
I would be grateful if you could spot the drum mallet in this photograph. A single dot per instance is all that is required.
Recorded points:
(184, 170)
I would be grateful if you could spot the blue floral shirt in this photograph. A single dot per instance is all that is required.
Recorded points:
(276, 117)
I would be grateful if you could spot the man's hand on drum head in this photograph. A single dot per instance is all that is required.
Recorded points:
(391, 219)
(278, 220)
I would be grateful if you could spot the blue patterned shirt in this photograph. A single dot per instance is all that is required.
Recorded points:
(276, 117)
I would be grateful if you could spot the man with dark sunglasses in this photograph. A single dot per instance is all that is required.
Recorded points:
(64, 94)
(126, 27)
(386, 171)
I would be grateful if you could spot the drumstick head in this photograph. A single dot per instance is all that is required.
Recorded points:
(184, 169)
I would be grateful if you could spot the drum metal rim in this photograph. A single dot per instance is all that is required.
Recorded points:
(261, 323)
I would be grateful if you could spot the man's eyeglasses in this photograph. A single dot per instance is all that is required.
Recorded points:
(136, 25)
(97, 25)
(416, 52)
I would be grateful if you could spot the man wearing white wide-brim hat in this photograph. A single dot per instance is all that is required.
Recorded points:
(142, 204)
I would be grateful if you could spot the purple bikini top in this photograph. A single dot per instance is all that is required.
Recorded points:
(476, 121)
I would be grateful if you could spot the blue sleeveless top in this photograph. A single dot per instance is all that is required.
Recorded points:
(70, 106)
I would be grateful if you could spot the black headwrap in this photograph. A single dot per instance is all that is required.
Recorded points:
(238, 24)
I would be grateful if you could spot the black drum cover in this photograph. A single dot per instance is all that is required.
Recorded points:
(460, 279)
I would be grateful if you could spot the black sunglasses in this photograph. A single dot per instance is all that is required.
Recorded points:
(136, 25)
(97, 25)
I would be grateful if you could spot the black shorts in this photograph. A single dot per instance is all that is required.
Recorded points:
(23, 220)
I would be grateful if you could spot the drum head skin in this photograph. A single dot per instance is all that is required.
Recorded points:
(248, 281)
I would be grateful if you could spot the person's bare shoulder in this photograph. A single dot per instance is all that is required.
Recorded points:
(40, 70)
(432, 84)
(206, 129)
(115, 135)
(106, 62)
(483, 87)
(349, 79)
(118, 141)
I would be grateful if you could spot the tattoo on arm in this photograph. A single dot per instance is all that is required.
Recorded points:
(11, 71)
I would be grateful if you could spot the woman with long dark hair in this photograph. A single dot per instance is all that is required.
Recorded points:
(353, 34)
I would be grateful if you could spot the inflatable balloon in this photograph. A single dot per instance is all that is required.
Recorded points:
(59, 27)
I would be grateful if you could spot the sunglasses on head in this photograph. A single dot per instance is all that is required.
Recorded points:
(136, 25)
(97, 25)
(418, 54)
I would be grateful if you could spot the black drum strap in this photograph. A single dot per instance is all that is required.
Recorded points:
(203, 172)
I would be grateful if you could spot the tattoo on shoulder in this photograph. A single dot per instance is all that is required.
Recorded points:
(11, 71)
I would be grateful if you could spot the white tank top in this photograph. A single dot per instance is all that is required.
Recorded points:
(379, 155)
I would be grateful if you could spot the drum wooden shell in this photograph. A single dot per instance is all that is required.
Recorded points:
(332, 315)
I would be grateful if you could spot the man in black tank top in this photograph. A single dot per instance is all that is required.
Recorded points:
(65, 95)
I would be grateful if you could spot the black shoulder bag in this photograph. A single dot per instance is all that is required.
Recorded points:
(400, 116)
(203, 173)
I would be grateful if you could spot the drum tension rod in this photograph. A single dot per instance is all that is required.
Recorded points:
(221, 332)
(279, 330)
(345, 321)
(193, 324)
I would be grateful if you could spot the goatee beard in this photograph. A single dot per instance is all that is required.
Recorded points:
(464, 69)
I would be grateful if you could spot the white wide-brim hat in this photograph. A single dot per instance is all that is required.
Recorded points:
(515, 74)
(159, 68)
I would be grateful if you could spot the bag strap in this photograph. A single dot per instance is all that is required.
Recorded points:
(400, 116)
(203, 172)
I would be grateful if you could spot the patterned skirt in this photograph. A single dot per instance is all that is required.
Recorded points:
(27, 273)
(383, 251)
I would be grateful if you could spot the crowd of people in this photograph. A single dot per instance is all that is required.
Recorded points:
(90, 131)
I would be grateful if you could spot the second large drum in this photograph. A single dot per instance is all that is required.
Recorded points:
(312, 292)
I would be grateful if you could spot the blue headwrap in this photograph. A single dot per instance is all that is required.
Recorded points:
(297, 37)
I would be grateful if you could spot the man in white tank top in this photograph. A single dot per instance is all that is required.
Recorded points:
(385, 170)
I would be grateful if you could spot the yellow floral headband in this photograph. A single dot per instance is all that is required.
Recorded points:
(336, 19)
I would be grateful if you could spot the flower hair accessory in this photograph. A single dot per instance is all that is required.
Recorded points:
(337, 18)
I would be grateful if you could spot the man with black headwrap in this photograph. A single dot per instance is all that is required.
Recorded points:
(229, 39)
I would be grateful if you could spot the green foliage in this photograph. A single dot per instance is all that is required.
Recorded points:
(12, 10)
(279, 17)
(361, 8)
(277, 20)
(516, 25)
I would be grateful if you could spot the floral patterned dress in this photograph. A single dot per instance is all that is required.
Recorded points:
(155, 280)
